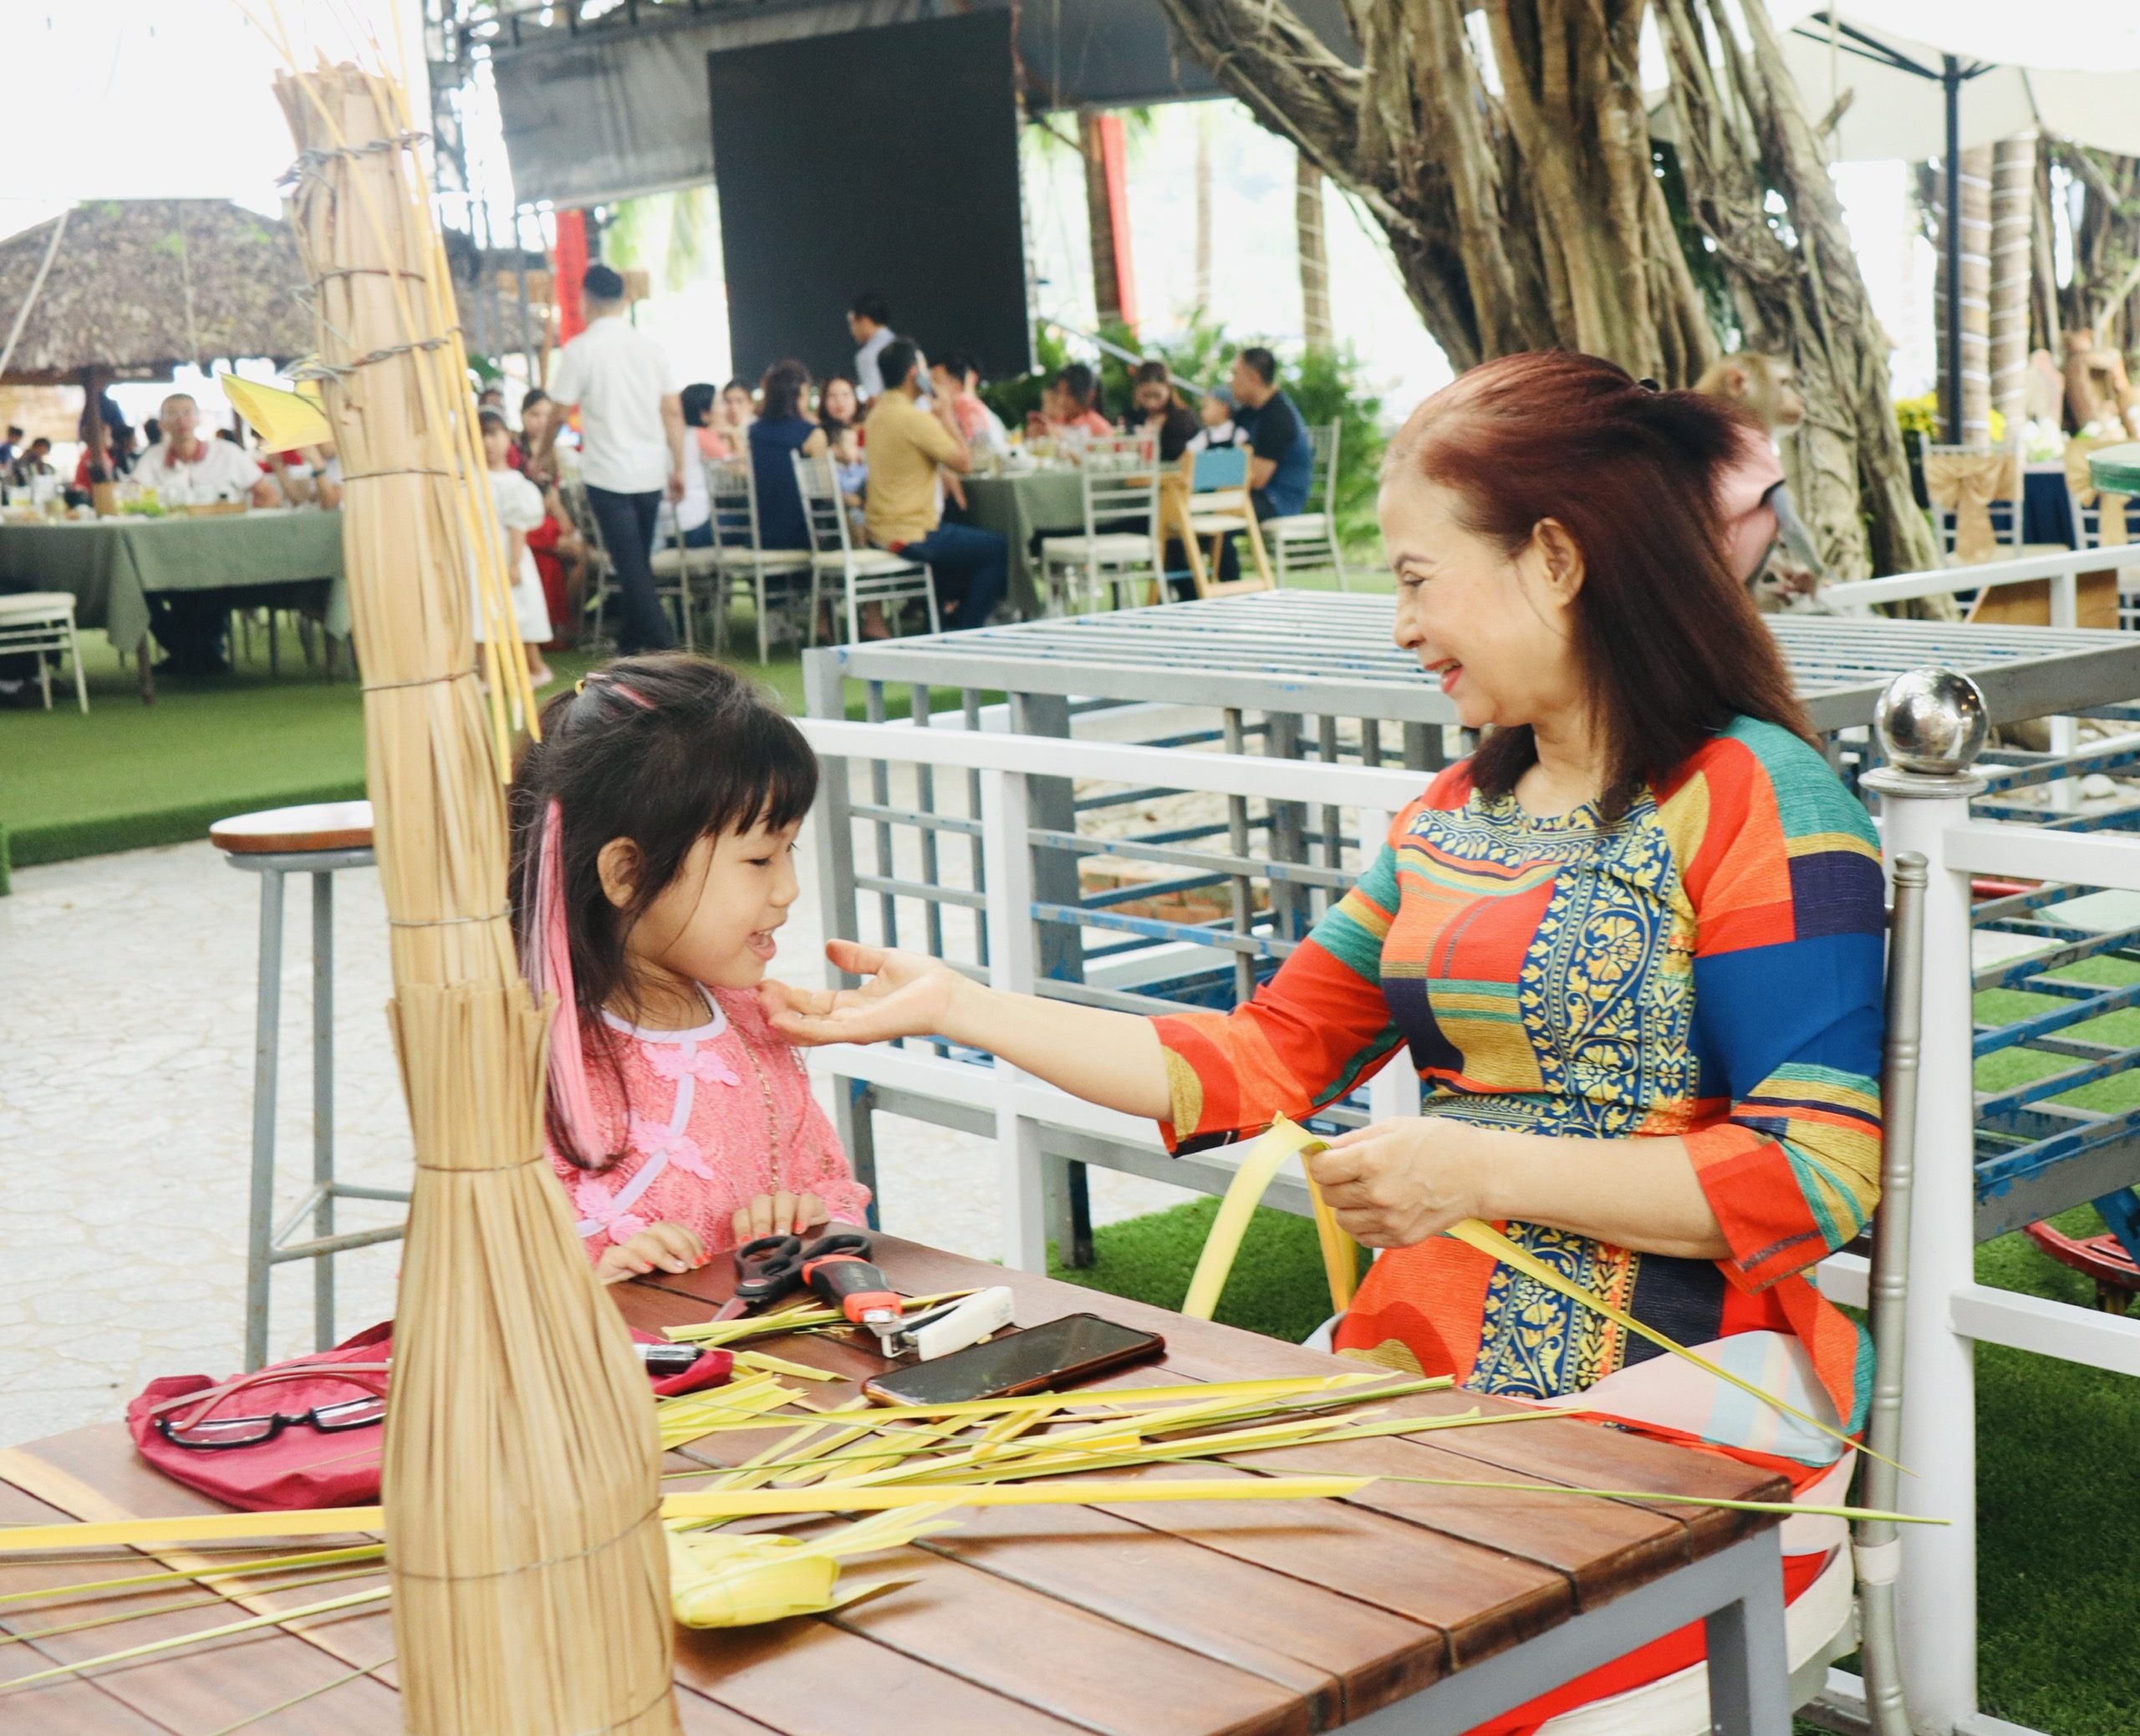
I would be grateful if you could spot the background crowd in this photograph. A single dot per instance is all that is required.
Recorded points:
(901, 430)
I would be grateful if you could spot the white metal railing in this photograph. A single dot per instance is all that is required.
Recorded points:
(2063, 569)
(1020, 1103)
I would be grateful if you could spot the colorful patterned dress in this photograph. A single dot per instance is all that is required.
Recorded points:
(1708, 966)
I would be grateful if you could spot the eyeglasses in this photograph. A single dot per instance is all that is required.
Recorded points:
(209, 1433)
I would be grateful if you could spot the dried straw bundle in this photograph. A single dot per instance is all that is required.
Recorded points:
(529, 1569)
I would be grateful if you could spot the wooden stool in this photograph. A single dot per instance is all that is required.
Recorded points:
(316, 840)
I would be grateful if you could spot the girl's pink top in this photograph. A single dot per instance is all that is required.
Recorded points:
(716, 1116)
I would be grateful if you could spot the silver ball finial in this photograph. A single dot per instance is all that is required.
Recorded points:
(1932, 721)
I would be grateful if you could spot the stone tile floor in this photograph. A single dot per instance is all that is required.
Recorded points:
(126, 1061)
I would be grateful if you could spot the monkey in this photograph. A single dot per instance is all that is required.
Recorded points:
(1762, 384)
(1790, 579)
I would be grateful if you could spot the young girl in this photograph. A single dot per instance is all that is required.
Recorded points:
(520, 509)
(654, 827)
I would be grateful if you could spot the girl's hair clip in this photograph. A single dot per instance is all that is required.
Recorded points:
(637, 698)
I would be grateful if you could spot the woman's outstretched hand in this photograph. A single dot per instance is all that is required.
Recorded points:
(904, 993)
(1398, 1181)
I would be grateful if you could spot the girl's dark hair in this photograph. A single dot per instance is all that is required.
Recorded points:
(697, 400)
(783, 388)
(663, 750)
(1671, 644)
(486, 419)
(825, 417)
(1082, 384)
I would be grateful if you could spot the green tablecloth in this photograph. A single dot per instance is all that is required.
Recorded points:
(1015, 507)
(112, 564)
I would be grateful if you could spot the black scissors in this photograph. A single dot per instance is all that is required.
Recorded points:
(772, 1266)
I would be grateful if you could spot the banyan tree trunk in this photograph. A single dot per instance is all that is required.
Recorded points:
(1742, 137)
(1516, 185)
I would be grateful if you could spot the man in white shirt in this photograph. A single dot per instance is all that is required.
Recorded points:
(188, 469)
(870, 322)
(631, 445)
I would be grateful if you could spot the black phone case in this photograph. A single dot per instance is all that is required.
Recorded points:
(1151, 1346)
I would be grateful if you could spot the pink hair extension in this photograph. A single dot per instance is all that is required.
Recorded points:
(550, 971)
(637, 698)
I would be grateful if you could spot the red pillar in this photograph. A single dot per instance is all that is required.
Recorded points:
(570, 266)
(1106, 204)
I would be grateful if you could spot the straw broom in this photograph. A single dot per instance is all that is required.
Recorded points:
(528, 1567)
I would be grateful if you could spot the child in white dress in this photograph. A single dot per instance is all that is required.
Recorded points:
(519, 507)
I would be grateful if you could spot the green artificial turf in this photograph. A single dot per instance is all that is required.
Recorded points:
(1276, 1287)
(2058, 1460)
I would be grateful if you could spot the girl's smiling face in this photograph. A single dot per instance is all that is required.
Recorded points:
(714, 922)
(1498, 629)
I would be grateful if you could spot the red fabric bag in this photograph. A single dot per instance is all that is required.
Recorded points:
(302, 1465)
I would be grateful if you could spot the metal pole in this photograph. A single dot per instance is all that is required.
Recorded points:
(1950, 83)
(323, 1103)
(1936, 1593)
(267, 1036)
(1878, 1548)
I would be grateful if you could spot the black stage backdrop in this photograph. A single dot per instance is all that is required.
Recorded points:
(880, 160)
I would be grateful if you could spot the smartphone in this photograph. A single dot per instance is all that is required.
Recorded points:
(1041, 1358)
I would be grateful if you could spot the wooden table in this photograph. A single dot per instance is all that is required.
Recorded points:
(1405, 1610)
(112, 564)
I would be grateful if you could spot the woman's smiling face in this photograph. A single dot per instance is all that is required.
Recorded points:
(1498, 629)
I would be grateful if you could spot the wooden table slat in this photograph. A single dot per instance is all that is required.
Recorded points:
(1343, 1657)
(808, 1678)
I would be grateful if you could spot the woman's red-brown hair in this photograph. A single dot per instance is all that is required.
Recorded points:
(1672, 645)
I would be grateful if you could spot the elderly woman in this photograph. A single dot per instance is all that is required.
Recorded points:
(1633, 945)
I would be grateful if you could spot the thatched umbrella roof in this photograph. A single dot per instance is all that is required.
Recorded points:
(138, 285)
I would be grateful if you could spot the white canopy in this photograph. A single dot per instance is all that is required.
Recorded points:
(2080, 36)
(2028, 54)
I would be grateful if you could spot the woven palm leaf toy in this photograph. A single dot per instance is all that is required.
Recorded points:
(528, 1567)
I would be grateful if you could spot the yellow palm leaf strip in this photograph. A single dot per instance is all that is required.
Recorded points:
(1236, 1209)
(214, 1599)
(248, 1626)
(191, 1528)
(1489, 1240)
(1341, 1254)
(1109, 1436)
(788, 1451)
(271, 1564)
(1125, 1399)
(686, 1418)
(764, 1364)
(1789, 1509)
(858, 1472)
(759, 1503)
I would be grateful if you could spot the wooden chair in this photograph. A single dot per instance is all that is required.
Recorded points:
(1120, 542)
(865, 575)
(1307, 540)
(42, 623)
(743, 560)
(1207, 500)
